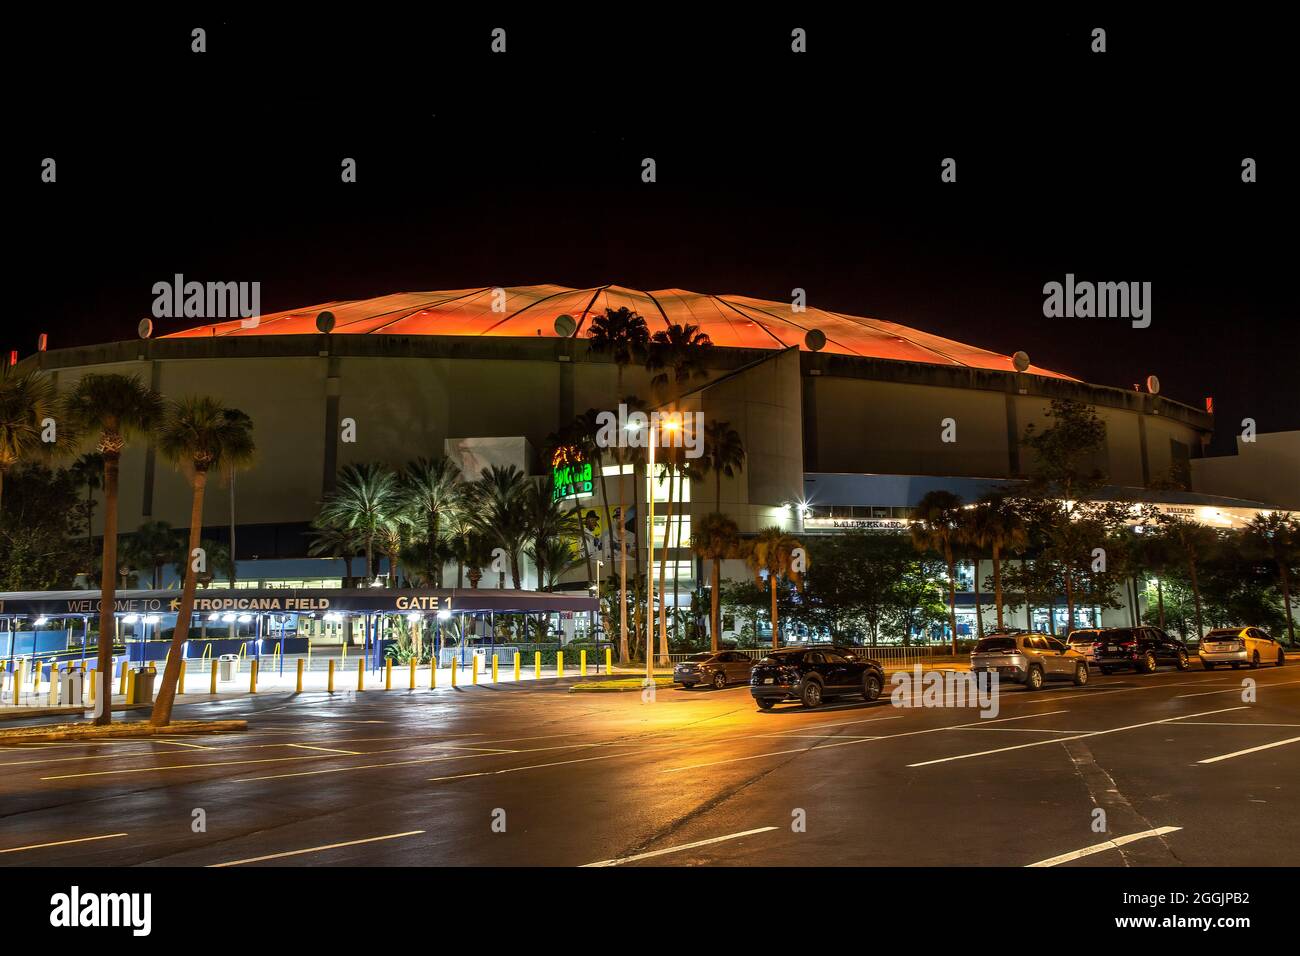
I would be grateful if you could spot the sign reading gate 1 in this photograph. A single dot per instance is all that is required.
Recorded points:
(570, 477)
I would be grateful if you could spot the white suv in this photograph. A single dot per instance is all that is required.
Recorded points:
(1239, 645)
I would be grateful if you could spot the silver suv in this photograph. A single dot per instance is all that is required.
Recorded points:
(1029, 659)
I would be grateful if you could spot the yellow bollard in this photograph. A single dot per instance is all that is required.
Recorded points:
(537, 664)
(433, 671)
(126, 668)
(609, 661)
(130, 686)
(212, 681)
(180, 681)
(582, 662)
(54, 684)
(252, 678)
(516, 665)
(361, 673)
(19, 677)
(331, 677)
(412, 673)
(453, 672)
(388, 673)
(494, 668)
(559, 663)
(300, 665)
(93, 682)
(474, 679)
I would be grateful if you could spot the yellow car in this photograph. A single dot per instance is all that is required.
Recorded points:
(1239, 645)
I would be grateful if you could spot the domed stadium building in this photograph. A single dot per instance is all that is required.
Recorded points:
(849, 435)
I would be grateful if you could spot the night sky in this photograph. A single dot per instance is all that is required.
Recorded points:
(775, 171)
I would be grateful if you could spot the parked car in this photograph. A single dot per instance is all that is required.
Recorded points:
(1239, 645)
(1029, 659)
(814, 674)
(717, 670)
(1141, 648)
(1085, 641)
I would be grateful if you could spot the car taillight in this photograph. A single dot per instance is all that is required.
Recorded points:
(1128, 644)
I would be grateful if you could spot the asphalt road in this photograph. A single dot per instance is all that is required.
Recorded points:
(533, 775)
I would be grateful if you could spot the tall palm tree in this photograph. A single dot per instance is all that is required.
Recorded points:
(1276, 535)
(114, 408)
(1193, 541)
(936, 528)
(433, 491)
(546, 521)
(724, 455)
(772, 553)
(996, 524)
(553, 557)
(27, 402)
(366, 499)
(715, 539)
(88, 470)
(621, 334)
(239, 418)
(198, 437)
(497, 502)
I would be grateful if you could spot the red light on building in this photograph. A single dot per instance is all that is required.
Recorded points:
(1209, 404)
(41, 342)
(13, 358)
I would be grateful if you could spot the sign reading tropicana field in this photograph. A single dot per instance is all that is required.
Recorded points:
(571, 480)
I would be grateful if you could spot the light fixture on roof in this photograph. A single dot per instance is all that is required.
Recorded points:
(815, 339)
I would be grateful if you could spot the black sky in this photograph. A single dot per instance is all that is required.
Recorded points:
(775, 171)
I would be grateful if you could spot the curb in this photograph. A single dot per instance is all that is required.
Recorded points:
(137, 728)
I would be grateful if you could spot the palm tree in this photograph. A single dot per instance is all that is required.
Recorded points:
(724, 455)
(433, 491)
(366, 499)
(1194, 541)
(474, 551)
(88, 470)
(772, 553)
(239, 418)
(333, 542)
(497, 504)
(114, 408)
(995, 524)
(1277, 535)
(154, 544)
(27, 402)
(553, 557)
(197, 436)
(714, 540)
(545, 521)
(936, 528)
(621, 334)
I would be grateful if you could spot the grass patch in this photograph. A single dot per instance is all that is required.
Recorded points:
(617, 685)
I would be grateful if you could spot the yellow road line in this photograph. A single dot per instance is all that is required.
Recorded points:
(41, 846)
(316, 849)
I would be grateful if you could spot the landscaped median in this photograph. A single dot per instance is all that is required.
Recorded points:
(135, 728)
(617, 685)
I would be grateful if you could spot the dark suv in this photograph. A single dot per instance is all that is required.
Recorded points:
(813, 674)
(1141, 648)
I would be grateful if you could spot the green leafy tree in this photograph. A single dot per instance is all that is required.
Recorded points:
(774, 554)
(38, 550)
(367, 499)
(937, 527)
(716, 539)
(1275, 536)
(28, 404)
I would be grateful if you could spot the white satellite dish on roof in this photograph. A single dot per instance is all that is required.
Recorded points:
(325, 322)
(1153, 385)
(815, 340)
(1021, 361)
(145, 328)
(565, 325)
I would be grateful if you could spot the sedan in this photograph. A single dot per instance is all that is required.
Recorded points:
(717, 670)
(1238, 646)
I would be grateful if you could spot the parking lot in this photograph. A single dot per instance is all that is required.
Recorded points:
(1185, 771)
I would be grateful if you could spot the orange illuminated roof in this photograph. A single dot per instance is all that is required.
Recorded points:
(734, 321)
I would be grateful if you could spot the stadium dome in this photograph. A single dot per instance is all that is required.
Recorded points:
(733, 321)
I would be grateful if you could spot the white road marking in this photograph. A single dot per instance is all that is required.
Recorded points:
(1226, 723)
(328, 750)
(1237, 688)
(678, 849)
(1102, 847)
(41, 846)
(316, 849)
(1058, 740)
(1251, 750)
(773, 753)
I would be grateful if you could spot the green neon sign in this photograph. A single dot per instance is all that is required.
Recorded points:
(571, 481)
